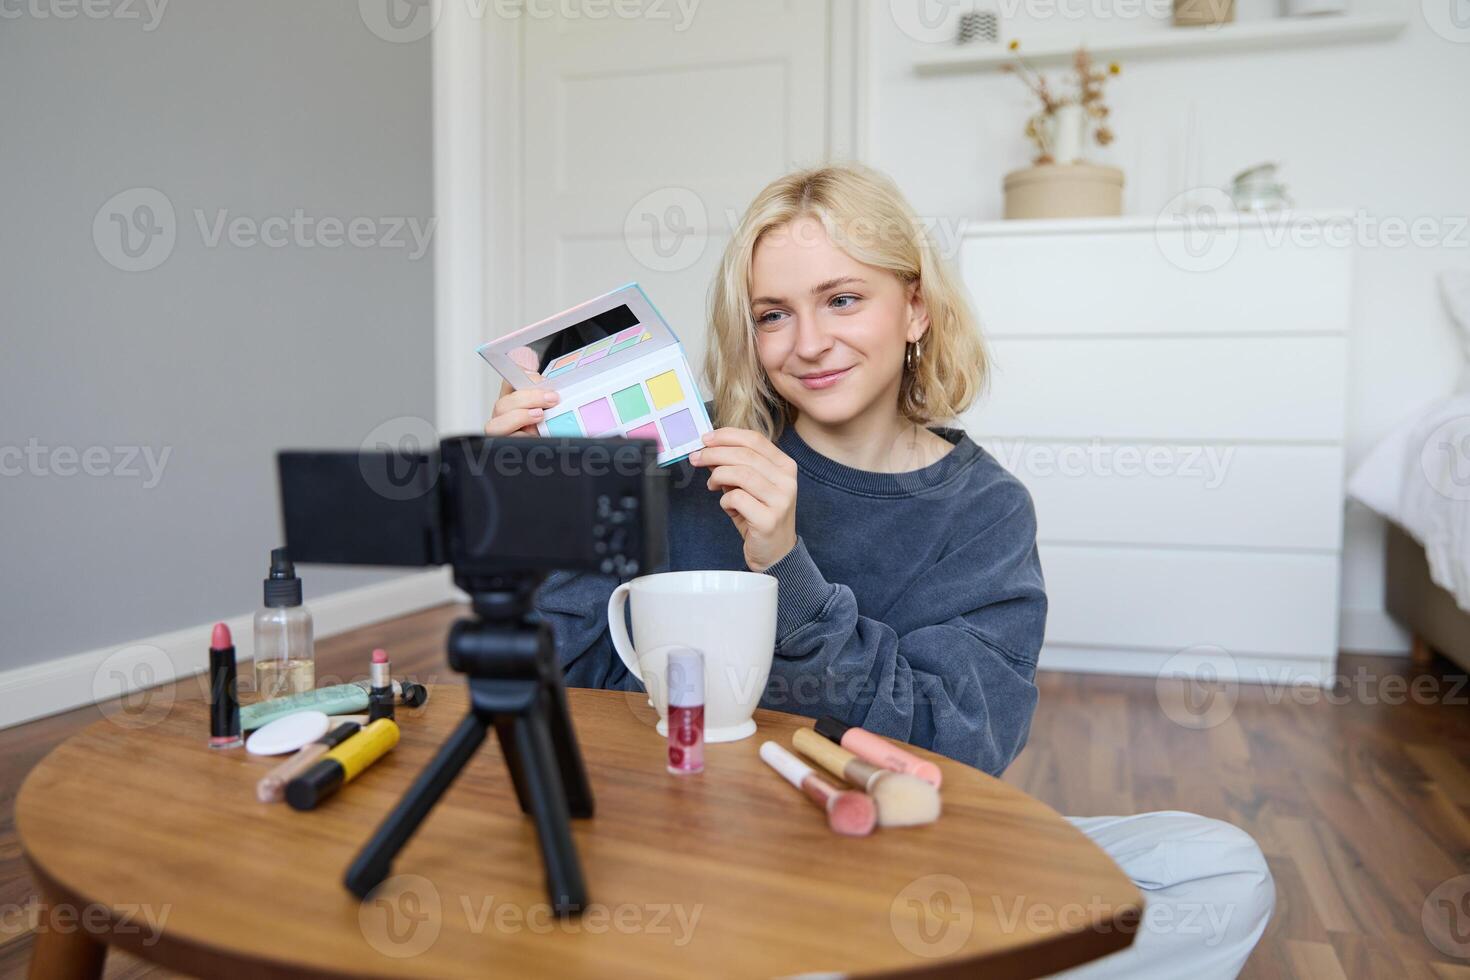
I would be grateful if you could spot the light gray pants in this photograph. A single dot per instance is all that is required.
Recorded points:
(1208, 891)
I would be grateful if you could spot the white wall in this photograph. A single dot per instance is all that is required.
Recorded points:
(1377, 127)
(231, 345)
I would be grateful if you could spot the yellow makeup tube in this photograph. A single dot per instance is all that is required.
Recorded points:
(342, 764)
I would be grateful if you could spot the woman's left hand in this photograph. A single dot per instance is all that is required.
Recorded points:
(758, 484)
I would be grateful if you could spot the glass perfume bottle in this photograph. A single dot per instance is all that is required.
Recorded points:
(285, 658)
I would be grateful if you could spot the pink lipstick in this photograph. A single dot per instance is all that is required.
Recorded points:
(826, 379)
(380, 693)
(224, 698)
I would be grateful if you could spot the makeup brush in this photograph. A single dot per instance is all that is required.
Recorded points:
(903, 800)
(848, 811)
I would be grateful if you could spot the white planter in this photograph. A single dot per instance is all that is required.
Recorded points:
(1068, 128)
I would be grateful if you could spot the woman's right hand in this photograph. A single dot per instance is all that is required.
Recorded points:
(517, 413)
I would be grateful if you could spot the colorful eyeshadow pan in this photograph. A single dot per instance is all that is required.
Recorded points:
(566, 361)
(597, 417)
(630, 403)
(623, 346)
(560, 370)
(679, 427)
(649, 431)
(595, 356)
(665, 390)
(631, 332)
(564, 424)
(599, 345)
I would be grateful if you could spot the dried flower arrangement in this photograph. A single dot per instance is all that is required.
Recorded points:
(1088, 95)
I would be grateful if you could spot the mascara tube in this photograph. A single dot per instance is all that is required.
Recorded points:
(342, 764)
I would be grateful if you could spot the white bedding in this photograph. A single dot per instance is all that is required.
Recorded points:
(1419, 478)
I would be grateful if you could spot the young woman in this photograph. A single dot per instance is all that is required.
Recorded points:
(911, 599)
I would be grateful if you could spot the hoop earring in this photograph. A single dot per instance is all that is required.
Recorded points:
(911, 355)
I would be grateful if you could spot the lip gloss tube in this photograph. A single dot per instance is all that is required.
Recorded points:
(686, 711)
(876, 750)
(272, 786)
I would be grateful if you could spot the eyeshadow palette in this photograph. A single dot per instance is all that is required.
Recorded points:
(618, 367)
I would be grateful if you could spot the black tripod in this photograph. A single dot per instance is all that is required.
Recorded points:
(515, 685)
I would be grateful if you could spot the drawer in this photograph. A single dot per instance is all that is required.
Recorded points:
(1124, 282)
(1268, 389)
(1176, 494)
(1170, 599)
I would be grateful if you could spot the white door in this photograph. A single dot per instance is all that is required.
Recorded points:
(645, 138)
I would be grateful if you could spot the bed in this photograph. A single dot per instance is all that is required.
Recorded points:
(1418, 478)
(1427, 610)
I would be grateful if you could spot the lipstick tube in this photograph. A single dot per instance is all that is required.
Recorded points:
(380, 691)
(878, 751)
(224, 695)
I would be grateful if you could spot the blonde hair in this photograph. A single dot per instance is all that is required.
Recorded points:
(866, 216)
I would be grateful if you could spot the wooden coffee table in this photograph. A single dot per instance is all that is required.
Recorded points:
(140, 836)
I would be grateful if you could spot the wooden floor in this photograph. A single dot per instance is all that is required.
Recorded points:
(1360, 800)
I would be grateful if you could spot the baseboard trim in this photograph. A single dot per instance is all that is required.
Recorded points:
(74, 681)
(1242, 667)
(1364, 630)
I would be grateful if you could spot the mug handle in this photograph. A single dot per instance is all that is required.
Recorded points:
(618, 631)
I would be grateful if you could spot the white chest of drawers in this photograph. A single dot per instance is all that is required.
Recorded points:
(1175, 403)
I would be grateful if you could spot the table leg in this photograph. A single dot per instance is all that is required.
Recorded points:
(64, 949)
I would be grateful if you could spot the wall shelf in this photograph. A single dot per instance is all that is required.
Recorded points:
(1174, 42)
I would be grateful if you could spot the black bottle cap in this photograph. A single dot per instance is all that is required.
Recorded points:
(316, 784)
(832, 729)
(282, 588)
(340, 734)
(414, 695)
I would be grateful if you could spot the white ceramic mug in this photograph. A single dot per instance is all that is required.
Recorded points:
(729, 616)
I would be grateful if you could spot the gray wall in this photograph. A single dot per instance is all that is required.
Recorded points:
(221, 354)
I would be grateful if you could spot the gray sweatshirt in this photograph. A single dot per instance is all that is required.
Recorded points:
(912, 605)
